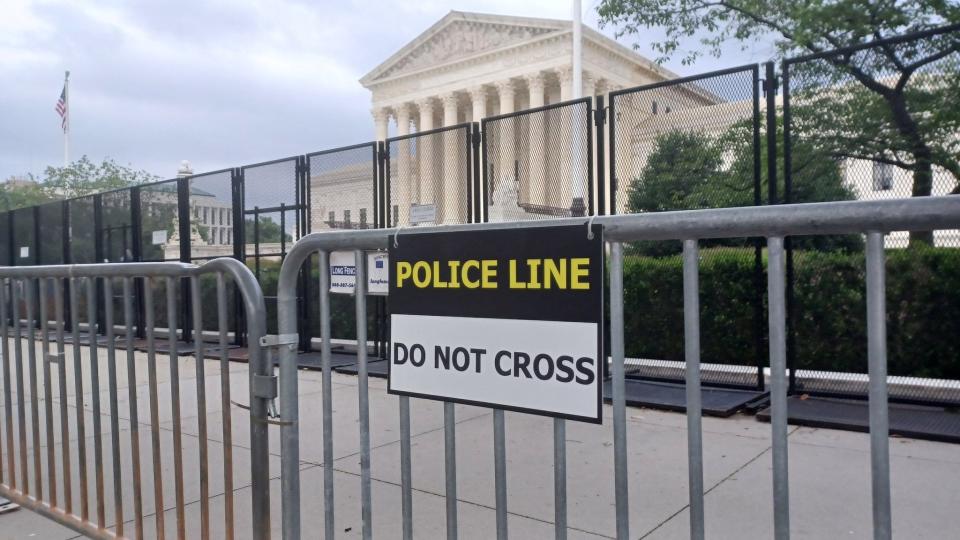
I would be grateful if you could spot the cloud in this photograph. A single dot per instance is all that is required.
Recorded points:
(219, 82)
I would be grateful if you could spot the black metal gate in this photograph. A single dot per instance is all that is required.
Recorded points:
(342, 188)
(429, 177)
(684, 144)
(538, 163)
(273, 208)
(868, 122)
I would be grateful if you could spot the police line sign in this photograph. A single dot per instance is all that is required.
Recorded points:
(506, 318)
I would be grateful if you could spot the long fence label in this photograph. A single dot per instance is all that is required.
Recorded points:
(506, 318)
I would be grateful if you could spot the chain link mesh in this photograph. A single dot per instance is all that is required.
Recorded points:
(862, 125)
(538, 163)
(429, 178)
(684, 145)
(159, 222)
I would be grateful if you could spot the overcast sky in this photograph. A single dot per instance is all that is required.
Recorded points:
(218, 82)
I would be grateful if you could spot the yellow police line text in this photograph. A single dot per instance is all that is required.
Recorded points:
(563, 273)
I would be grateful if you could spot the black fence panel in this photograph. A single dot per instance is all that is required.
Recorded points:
(116, 227)
(342, 190)
(6, 239)
(874, 122)
(273, 204)
(159, 222)
(212, 211)
(51, 228)
(429, 177)
(83, 234)
(679, 145)
(24, 237)
(538, 163)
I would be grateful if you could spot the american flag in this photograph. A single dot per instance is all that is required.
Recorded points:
(62, 108)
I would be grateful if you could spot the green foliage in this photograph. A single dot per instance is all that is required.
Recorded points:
(891, 104)
(686, 171)
(923, 309)
(21, 193)
(83, 177)
(269, 231)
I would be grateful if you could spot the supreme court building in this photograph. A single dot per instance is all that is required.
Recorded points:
(464, 68)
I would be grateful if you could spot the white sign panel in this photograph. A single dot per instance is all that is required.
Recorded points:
(378, 273)
(159, 238)
(518, 364)
(343, 273)
(24, 252)
(423, 213)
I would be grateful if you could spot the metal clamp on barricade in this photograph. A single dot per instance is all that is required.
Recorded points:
(280, 340)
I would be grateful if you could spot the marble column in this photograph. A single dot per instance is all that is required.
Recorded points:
(381, 117)
(423, 189)
(507, 134)
(533, 187)
(561, 196)
(454, 195)
(478, 98)
(401, 182)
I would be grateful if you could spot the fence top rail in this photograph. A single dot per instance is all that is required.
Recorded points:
(845, 217)
(689, 79)
(570, 102)
(371, 144)
(464, 125)
(122, 270)
(892, 40)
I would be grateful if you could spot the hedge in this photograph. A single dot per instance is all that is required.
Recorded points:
(923, 309)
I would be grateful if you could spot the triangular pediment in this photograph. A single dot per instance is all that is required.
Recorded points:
(458, 36)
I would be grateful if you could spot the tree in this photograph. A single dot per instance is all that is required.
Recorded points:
(693, 170)
(83, 177)
(892, 104)
(21, 192)
(269, 231)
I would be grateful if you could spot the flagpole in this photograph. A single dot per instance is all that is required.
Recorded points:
(66, 124)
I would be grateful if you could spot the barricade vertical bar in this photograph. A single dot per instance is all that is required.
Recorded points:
(114, 412)
(48, 391)
(877, 358)
(175, 405)
(62, 387)
(778, 386)
(225, 409)
(154, 401)
(360, 294)
(95, 395)
(406, 482)
(617, 383)
(7, 391)
(691, 322)
(78, 389)
(500, 472)
(201, 408)
(132, 393)
(450, 466)
(34, 400)
(327, 388)
(560, 478)
(15, 286)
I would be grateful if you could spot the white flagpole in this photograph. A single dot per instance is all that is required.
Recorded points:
(66, 119)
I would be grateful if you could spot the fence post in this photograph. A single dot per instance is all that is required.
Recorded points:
(183, 212)
(136, 216)
(600, 118)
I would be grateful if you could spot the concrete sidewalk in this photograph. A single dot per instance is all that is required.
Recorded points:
(829, 470)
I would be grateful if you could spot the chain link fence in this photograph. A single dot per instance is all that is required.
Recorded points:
(538, 163)
(428, 177)
(867, 123)
(680, 145)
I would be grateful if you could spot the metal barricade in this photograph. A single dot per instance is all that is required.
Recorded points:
(774, 223)
(53, 372)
